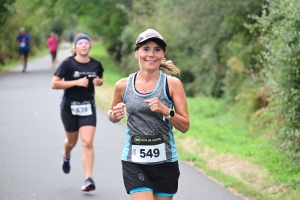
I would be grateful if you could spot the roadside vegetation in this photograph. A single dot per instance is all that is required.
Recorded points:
(239, 63)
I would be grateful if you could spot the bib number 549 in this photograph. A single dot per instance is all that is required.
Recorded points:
(150, 153)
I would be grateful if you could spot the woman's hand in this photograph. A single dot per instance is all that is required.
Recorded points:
(117, 112)
(98, 81)
(156, 106)
(82, 82)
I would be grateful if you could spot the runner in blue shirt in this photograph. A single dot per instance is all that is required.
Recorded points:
(24, 41)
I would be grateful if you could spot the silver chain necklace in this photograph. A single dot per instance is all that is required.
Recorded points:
(145, 89)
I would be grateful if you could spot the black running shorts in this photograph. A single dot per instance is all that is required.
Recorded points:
(158, 177)
(72, 122)
(24, 52)
(53, 54)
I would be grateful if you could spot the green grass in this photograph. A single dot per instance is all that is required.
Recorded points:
(112, 72)
(222, 129)
(227, 131)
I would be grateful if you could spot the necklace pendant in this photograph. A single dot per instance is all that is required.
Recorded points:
(144, 90)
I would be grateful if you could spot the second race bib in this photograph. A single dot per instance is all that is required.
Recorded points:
(81, 109)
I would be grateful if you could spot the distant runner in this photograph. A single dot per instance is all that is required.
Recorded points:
(53, 43)
(23, 41)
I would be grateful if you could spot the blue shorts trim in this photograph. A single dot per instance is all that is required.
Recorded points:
(144, 189)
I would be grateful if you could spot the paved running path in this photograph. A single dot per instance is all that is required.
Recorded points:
(31, 144)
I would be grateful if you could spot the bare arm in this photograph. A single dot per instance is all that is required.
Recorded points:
(181, 118)
(180, 121)
(117, 106)
(58, 83)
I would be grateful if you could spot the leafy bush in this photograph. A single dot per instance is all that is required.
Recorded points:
(279, 27)
(201, 42)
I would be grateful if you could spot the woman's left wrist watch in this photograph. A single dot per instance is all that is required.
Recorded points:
(171, 114)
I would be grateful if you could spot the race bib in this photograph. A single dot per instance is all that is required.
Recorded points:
(81, 109)
(148, 148)
(22, 44)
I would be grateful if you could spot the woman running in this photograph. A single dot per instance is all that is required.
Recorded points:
(149, 158)
(77, 75)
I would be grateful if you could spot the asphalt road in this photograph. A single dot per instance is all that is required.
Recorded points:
(31, 145)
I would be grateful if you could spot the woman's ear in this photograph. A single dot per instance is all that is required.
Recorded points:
(136, 54)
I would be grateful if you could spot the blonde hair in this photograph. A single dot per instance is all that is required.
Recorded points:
(168, 67)
(72, 50)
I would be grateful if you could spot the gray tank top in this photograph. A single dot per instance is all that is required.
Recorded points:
(142, 121)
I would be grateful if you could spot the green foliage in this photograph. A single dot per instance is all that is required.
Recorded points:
(112, 72)
(200, 43)
(39, 17)
(3, 18)
(4, 11)
(104, 18)
(279, 29)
